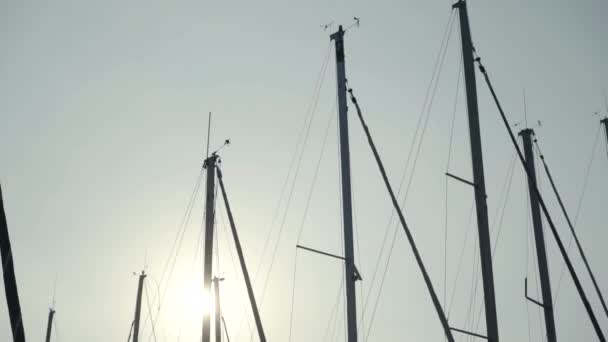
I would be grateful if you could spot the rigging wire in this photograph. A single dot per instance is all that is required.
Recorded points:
(305, 215)
(294, 181)
(294, 155)
(299, 154)
(461, 258)
(410, 238)
(497, 224)
(177, 242)
(447, 169)
(563, 251)
(578, 208)
(300, 144)
(334, 311)
(242, 298)
(150, 310)
(57, 339)
(426, 110)
(571, 226)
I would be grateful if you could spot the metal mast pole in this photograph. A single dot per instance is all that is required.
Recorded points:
(349, 255)
(604, 121)
(10, 283)
(539, 238)
(218, 311)
(140, 287)
(485, 247)
(49, 325)
(239, 251)
(210, 165)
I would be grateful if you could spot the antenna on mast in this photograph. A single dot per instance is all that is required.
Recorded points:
(208, 135)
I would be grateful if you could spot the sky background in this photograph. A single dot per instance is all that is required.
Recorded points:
(102, 137)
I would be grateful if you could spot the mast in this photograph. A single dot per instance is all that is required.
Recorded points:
(210, 165)
(218, 312)
(140, 287)
(10, 283)
(239, 250)
(604, 121)
(485, 247)
(349, 255)
(49, 325)
(541, 255)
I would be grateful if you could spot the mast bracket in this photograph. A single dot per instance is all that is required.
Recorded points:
(460, 179)
(320, 252)
(530, 298)
(356, 275)
(469, 333)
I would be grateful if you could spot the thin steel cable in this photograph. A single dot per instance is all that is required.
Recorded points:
(447, 169)
(297, 155)
(291, 192)
(177, 242)
(150, 310)
(294, 155)
(427, 280)
(461, 258)
(306, 208)
(578, 207)
(334, 310)
(429, 97)
(242, 298)
(571, 226)
(541, 201)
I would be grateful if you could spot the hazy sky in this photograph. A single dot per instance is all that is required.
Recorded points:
(103, 124)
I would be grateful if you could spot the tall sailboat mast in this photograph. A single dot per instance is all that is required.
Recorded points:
(140, 287)
(539, 238)
(10, 283)
(210, 164)
(218, 311)
(604, 122)
(485, 247)
(49, 325)
(349, 255)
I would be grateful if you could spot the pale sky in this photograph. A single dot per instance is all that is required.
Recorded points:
(104, 119)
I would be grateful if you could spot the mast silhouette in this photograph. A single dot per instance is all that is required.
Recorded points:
(218, 311)
(210, 164)
(140, 287)
(351, 274)
(539, 238)
(239, 250)
(10, 283)
(604, 122)
(485, 247)
(49, 325)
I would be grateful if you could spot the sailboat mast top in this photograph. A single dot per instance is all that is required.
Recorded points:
(539, 238)
(49, 325)
(604, 121)
(347, 216)
(210, 164)
(485, 247)
(140, 286)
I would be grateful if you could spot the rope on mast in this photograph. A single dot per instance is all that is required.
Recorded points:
(237, 243)
(427, 279)
(541, 201)
(571, 226)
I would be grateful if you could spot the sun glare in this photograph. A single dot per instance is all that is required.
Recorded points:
(195, 302)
